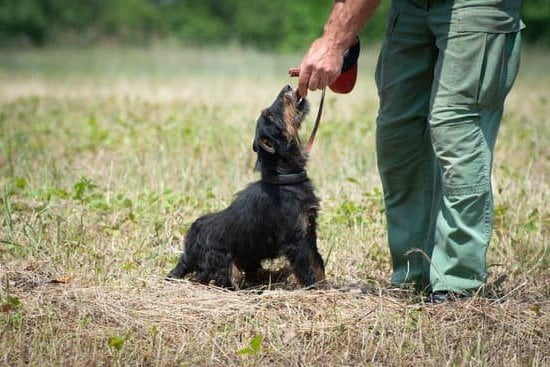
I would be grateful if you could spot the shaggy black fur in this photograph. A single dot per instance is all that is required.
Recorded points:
(273, 217)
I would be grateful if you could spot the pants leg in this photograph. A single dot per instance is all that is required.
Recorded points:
(404, 155)
(475, 70)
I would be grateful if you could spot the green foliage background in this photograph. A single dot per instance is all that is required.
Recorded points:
(265, 24)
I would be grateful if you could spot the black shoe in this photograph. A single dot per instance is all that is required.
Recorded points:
(439, 297)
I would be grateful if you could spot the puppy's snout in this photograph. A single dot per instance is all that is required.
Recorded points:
(288, 95)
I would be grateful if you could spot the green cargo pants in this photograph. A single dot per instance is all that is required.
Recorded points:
(444, 71)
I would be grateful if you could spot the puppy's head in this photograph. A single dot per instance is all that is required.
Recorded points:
(278, 125)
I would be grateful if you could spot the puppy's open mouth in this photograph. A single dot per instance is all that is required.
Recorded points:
(299, 103)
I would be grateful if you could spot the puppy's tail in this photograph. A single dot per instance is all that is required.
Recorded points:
(180, 270)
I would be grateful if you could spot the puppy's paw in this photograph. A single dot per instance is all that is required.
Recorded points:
(174, 275)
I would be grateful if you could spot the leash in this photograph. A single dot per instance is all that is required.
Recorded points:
(311, 139)
(343, 84)
(293, 178)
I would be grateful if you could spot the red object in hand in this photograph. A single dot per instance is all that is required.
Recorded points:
(347, 78)
(294, 72)
(345, 81)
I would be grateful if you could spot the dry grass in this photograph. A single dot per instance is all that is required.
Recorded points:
(105, 161)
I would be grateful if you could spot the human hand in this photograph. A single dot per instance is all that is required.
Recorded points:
(320, 66)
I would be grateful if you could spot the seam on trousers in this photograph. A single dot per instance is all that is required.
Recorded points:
(466, 189)
(488, 215)
(473, 105)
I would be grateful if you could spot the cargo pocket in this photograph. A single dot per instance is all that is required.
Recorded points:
(485, 50)
(463, 156)
(500, 68)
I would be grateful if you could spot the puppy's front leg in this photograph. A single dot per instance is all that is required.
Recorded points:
(307, 264)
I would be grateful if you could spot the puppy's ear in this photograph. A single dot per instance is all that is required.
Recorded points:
(267, 144)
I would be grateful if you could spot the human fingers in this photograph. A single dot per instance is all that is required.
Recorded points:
(323, 81)
(303, 81)
(314, 81)
(331, 77)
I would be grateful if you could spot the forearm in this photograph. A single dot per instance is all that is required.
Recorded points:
(323, 62)
(346, 20)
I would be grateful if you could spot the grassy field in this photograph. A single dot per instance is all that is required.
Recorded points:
(108, 155)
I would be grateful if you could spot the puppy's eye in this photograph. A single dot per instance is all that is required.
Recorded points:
(267, 114)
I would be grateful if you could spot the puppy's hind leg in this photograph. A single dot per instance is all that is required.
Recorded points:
(187, 262)
(180, 270)
(216, 268)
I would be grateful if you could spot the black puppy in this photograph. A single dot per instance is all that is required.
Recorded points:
(273, 217)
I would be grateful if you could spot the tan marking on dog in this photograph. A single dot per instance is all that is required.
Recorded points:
(289, 117)
(236, 276)
(307, 219)
(302, 223)
(318, 271)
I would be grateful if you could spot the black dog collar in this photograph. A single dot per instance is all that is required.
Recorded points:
(285, 179)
